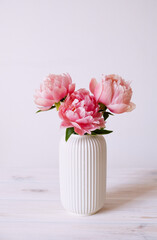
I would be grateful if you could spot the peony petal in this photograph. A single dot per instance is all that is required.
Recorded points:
(118, 108)
(67, 76)
(81, 112)
(76, 125)
(59, 93)
(71, 88)
(71, 115)
(66, 124)
(131, 107)
(106, 94)
(92, 85)
(85, 120)
(47, 94)
(44, 108)
(81, 132)
(44, 102)
(98, 91)
(65, 81)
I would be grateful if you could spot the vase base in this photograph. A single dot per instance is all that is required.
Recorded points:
(83, 215)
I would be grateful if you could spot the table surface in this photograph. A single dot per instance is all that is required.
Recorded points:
(30, 207)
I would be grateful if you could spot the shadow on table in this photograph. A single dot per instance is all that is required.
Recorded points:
(128, 192)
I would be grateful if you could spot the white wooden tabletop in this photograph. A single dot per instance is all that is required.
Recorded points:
(30, 207)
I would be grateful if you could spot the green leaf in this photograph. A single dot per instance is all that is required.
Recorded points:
(101, 131)
(51, 107)
(46, 110)
(39, 111)
(110, 113)
(105, 115)
(68, 133)
(93, 133)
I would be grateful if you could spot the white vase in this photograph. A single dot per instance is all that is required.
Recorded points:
(82, 164)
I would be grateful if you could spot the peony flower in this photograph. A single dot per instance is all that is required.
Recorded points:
(52, 90)
(80, 110)
(114, 93)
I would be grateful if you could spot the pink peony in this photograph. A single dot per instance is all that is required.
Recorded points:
(80, 111)
(114, 93)
(52, 90)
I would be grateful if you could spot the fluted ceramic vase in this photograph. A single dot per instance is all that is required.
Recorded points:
(82, 161)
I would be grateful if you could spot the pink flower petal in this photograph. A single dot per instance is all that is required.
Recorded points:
(59, 93)
(118, 108)
(44, 108)
(72, 116)
(98, 91)
(131, 107)
(66, 81)
(81, 132)
(44, 102)
(86, 120)
(71, 88)
(66, 124)
(106, 94)
(92, 85)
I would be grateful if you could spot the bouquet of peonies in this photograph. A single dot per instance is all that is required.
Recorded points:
(81, 112)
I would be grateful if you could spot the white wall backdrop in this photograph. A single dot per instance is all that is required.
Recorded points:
(84, 38)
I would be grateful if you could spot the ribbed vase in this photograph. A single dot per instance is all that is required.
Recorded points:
(82, 161)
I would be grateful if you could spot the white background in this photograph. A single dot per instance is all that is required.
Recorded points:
(84, 38)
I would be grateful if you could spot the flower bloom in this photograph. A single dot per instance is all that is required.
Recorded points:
(80, 110)
(52, 90)
(114, 93)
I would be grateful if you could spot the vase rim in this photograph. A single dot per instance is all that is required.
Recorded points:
(83, 136)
